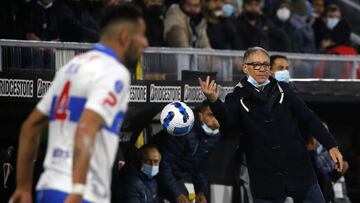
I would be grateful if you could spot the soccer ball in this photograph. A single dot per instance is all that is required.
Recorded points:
(177, 118)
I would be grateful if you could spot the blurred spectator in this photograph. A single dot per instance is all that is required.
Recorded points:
(12, 16)
(153, 11)
(41, 25)
(279, 67)
(318, 8)
(186, 156)
(221, 28)
(331, 182)
(257, 30)
(75, 22)
(42, 22)
(332, 30)
(185, 26)
(138, 184)
(333, 36)
(298, 6)
(300, 33)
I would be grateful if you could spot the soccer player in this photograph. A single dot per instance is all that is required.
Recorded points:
(84, 109)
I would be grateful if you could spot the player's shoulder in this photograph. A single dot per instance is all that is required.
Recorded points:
(103, 65)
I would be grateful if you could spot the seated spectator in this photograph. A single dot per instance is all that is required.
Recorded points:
(153, 11)
(332, 30)
(75, 22)
(300, 33)
(41, 25)
(329, 179)
(257, 30)
(185, 157)
(333, 35)
(42, 22)
(138, 183)
(318, 8)
(221, 28)
(184, 25)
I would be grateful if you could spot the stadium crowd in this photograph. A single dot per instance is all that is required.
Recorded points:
(302, 26)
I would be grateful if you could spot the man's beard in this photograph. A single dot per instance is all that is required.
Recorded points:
(131, 59)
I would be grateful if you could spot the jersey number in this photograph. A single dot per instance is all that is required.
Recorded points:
(62, 103)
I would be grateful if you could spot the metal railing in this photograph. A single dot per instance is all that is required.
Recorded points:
(168, 63)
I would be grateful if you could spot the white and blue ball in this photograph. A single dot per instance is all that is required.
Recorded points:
(177, 118)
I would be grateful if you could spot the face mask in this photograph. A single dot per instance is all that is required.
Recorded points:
(319, 149)
(283, 76)
(195, 18)
(256, 84)
(283, 14)
(209, 131)
(43, 5)
(218, 13)
(149, 170)
(314, 15)
(251, 15)
(332, 22)
(156, 10)
(228, 9)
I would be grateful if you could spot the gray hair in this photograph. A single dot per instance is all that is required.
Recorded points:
(252, 50)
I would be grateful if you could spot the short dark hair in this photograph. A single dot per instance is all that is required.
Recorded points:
(274, 57)
(252, 50)
(203, 106)
(120, 12)
(249, 1)
(141, 151)
(332, 8)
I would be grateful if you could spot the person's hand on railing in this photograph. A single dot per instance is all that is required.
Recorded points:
(209, 89)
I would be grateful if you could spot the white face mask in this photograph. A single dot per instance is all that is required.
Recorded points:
(218, 13)
(252, 81)
(209, 131)
(228, 10)
(282, 76)
(332, 22)
(43, 5)
(283, 14)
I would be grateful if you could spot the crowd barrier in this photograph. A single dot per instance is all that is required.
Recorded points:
(168, 63)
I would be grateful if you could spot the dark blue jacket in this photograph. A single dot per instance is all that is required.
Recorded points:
(276, 154)
(136, 187)
(184, 157)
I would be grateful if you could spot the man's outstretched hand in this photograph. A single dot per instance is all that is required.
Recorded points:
(209, 89)
(337, 158)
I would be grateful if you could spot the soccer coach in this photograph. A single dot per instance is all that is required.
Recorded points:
(271, 115)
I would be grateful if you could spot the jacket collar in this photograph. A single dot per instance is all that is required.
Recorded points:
(247, 90)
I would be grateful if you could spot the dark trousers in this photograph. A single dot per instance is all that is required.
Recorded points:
(312, 194)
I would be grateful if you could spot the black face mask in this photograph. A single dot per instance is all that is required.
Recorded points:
(251, 15)
(156, 10)
(196, 18)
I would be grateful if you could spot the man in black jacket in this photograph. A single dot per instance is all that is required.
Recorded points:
(184, 157)
(270, 114)
(138, 184)
(258, 30)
